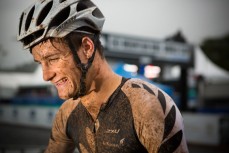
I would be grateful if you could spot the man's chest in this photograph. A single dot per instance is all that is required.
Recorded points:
(112, 131)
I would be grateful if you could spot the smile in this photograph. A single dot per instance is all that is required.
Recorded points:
(61, 82)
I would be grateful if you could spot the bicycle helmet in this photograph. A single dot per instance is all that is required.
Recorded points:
(57, 18)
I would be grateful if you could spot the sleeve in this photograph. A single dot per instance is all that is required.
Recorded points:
(59, 141)
(157, 120)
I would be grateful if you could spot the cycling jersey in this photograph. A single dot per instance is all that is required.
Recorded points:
(138, 118)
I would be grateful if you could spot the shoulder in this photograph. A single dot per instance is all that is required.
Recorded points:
(144, 97)
(59, 141)
(61, 118)
(147, 112)
(156, 113)
(142, 92)
(64, 112)
(66, 108)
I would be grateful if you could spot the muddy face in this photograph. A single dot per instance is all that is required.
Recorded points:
(58, 66)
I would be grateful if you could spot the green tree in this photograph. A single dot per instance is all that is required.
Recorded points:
(217, 50)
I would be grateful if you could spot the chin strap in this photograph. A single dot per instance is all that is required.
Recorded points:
(83, 67)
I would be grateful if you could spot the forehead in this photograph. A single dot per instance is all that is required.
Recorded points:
(50, 46)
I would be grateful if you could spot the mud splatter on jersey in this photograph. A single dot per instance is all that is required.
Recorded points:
(138, 117)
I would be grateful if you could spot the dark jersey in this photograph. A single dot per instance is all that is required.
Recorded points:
(137, 118)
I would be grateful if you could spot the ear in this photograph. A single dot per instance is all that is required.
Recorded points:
(87, 46)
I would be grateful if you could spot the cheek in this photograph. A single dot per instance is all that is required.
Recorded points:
(67, 64)
(73, 74)
(68, 68)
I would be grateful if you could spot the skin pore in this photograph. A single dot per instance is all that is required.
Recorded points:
(60, 69)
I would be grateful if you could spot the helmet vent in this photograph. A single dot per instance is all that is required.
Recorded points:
(97, 13)
(29, 18)
(60, 17)
(44, 13)
(27, 40)
(81, 6)
(21, 19)
(61, 1)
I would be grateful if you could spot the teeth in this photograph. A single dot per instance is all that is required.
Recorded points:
(61, 81)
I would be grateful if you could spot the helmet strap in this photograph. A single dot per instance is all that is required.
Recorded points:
(83, 67)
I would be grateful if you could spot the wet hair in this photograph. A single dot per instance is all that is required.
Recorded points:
(76, 39)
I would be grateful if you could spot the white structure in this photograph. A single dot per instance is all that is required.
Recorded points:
(205, 67)
(10, 81)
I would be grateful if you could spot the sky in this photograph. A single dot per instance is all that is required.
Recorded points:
(156, 19)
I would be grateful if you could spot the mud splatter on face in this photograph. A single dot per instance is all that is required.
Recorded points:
(58, 66)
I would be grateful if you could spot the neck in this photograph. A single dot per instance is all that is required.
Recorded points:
(104, 83)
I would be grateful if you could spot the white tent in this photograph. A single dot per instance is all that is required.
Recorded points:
(205, 67)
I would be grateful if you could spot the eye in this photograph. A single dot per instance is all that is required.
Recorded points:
(53, 60)
(37, 62)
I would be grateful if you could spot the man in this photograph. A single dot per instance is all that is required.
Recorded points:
(103, 112)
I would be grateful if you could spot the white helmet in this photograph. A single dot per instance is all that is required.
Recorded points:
(57, 18)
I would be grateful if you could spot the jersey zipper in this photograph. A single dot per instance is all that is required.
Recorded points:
(96, 128)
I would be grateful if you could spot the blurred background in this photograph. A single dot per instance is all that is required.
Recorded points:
(180, 46)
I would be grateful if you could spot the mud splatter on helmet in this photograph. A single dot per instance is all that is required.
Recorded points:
(57, 18)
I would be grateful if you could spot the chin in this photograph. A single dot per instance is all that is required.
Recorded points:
(63, 97)
(66, 96)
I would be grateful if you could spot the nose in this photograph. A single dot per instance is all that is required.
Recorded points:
(48, 74)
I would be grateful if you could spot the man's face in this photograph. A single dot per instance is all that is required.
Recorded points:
(58, 67)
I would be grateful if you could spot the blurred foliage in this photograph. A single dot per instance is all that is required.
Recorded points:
(217, 50)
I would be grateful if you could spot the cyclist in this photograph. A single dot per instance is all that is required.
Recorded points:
(103, 111)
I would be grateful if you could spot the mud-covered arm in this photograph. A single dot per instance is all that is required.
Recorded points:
(59, 141)
(158, 122)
